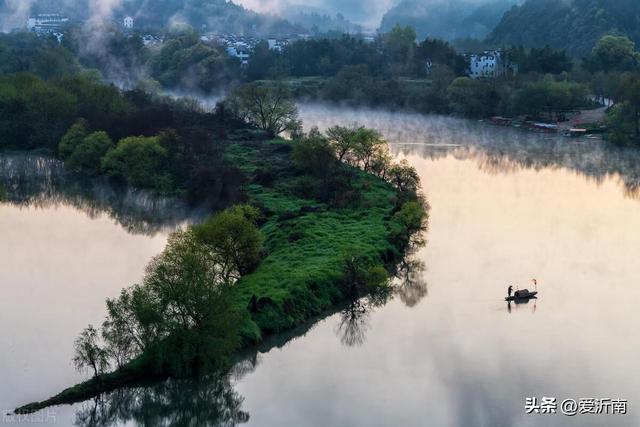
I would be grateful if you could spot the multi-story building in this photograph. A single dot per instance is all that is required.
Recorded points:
(128, 22)
(47, 23)
(489, 64)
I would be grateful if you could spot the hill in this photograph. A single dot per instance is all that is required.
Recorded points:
(574, 25)
(219, 16)
(454, 19)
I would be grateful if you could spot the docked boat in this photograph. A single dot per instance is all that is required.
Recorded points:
(524, 294)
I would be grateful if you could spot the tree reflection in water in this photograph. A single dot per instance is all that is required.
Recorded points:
(354, 323)
(411, 286)
(210, 401)
(28, 180)
(408, 285)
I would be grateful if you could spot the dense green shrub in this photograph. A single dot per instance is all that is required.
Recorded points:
(140, 162)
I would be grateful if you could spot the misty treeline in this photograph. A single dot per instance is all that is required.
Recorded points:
(397, 71)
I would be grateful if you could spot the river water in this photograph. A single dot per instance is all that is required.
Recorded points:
(446, 350)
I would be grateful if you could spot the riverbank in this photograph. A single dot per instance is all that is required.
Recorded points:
(308, 244)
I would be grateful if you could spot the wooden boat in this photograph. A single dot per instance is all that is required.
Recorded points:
(522, 295)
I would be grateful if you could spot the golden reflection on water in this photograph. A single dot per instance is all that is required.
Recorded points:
(507, 207)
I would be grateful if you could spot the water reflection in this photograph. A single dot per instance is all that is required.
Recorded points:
(496, 150)
(28, 180)
(408, 285)
(210, 401)
(354, 323)
(411, 286)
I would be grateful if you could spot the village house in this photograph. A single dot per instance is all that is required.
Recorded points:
(489, 64)
(128, 22)
(47, 23)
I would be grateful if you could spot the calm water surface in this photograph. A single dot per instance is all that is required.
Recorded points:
(506, 207)
(65, 246)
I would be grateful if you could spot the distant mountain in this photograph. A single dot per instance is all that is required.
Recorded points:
(319, 20)
(210, 15)
(575, 25)
(448, 19)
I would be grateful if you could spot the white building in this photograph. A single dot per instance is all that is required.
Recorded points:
(489, 64)
(47, 23)
(128, 22)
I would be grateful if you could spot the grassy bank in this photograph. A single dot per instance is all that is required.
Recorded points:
(307, 242)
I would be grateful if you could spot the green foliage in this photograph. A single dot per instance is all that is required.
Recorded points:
(624, 117)
(549, 96)
(182, 316)
(139, 161)
(36, 114)
(187, 63)
(73, 138)
(44, 57)
(472, 98)
(400, 46)
(544, 60)
(88, 154)
(442, 53)
(404, 178)
(411, 216)
(270, 108)
(451, 20)
(574, 25)
(613, 53)
(88, 352)
(234, 238)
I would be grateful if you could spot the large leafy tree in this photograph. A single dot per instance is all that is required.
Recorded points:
(268, 107)
(234, 240)
(613, 53)
(138, 161)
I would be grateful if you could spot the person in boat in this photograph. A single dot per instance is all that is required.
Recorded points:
(510, 290)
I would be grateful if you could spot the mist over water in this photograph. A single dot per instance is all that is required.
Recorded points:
(495, 150)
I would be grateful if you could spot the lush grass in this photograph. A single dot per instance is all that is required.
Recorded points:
(306, 242)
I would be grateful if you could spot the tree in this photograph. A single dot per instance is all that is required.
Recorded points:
(399, 46)
(624, 117)
(404, 178)
(442, 53)
(74, 137)
(138, 161)
(613, 53)
(314, 156)
(233, 239)
(87, 155)
(89, 354)
(341, 140)
(270, 108)
(549, 96)
(190, 305)
(472, 98)
(368, 145)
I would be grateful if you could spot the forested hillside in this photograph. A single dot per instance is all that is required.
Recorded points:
(575, 25)
(447, 19)
(209, 15)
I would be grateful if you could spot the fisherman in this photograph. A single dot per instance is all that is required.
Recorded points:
(510, 290)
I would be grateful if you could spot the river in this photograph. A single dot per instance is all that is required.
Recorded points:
(506, 207)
